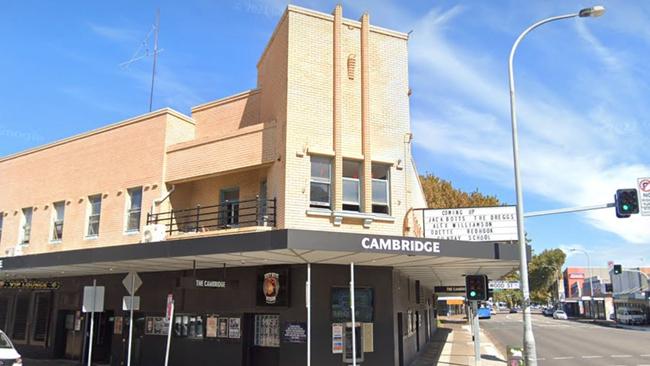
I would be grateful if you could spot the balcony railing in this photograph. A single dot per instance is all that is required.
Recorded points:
(226, 215)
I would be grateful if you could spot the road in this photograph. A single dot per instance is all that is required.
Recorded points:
(566, 342)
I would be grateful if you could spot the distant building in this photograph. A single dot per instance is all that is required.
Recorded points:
(577, 292)
(631, 290)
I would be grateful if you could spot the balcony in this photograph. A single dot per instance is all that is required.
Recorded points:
(226, 215)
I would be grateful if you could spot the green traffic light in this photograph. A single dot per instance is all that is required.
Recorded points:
(472, 293)
(626, 207)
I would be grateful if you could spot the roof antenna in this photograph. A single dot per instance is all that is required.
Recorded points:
(143, 51)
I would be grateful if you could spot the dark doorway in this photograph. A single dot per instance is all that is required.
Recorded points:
(68, 339)
(102, 336)
(229, 209)
(400, 338)
(417, 331)
(262, 343)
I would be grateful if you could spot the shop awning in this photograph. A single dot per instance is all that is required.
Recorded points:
(433, 262)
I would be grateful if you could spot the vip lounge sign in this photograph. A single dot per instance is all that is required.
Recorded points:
(30, 284)
(471, 224)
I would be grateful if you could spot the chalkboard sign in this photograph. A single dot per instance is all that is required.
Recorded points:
(347, 354)
(363, 303)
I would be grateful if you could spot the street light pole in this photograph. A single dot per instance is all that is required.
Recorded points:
(529, 339)
(591, 279)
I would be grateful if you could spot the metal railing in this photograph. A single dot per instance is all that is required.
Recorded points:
(228, 214)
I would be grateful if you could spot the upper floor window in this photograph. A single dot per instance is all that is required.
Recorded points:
(351, 185)
(26, 226)
(380, 189)
(58, 213)
(321, 182)
(94, 211)
(133, 209)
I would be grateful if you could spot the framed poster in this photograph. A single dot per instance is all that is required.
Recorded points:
(337, 338)
(363, 302)
(211, 326)
(117, 325)
(222, 327)
(294, 332)
(234, 327)
(273, 286)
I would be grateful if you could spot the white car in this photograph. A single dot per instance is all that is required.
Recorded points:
(8, 354)
(560, 314)
(630, 316)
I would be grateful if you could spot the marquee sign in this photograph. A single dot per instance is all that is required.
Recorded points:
(471, 224)
(30, 284)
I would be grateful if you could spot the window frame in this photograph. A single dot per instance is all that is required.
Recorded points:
(129, 210)
(53, 222)
(321, 180)
(353, 180)
(90, 215)
(387, 183)
(25, 229)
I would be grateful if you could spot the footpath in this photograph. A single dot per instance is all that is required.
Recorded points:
(452, 345)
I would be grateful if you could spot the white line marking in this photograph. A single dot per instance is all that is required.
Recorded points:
(620, 356)
(563, 358)
(648, 355)
(592, 356)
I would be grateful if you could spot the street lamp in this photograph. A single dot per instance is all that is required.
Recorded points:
(591, 279)
(529, 338)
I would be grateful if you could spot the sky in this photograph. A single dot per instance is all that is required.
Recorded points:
(582, 91)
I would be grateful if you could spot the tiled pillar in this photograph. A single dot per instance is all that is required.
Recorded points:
(337, 183)
(365, 123)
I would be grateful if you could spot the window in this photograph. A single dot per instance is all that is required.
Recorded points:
(94, 211)
(351, 185)
(58, 213)
(134, 209)
(41, 316)
(380, 189)
(26, 226)
(21, 312)
(321, 181)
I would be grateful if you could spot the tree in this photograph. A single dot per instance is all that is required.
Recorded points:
(441, 193)
(544, 271)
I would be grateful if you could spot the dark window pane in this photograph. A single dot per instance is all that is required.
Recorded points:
(380, 171)
(351, 169)
(42, 316)
(135, 195)
(20, 317)
(321, 168)
(133, 223)
(319, 194)
(4, 307)
(382, 209)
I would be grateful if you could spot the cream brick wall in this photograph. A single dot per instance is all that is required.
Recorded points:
(225, 116)
(105, 161)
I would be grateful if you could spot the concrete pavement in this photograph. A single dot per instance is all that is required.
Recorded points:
(563, 342)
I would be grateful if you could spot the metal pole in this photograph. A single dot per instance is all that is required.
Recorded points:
(354, 333)
(128, 361)
(529, 339)
(308, 304)
(591, 286)
(92, 323)
(169, 334)
(568, 210)
(155, 57)
(476, 332)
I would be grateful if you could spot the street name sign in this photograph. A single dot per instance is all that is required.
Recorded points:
(503, 285)
(471, 224)
(644, 196)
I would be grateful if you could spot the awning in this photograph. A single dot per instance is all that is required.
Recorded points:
(433, 262)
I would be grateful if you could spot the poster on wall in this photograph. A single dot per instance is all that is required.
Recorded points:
(363, 302)
(222, 327)
(211, 326)
(368, 341)
(273, 286)
(337, 338)
(234, 327)
(117, 325)
(294, 332)
(156, 325)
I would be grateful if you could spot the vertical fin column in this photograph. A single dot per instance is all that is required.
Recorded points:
(337, 182)
(365, 122)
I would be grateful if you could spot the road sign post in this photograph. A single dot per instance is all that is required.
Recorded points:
(132, 283)
(170, 316)
(93, 302)
(476, 334)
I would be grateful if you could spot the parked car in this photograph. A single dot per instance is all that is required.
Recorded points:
(560, 314)
(513, 310)
(548, 312)
(630, 316)
(8, 354)
(484, 313)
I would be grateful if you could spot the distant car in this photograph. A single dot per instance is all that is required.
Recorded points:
(560, 314)
(8, 354)
(484, 313)
(548, 312)
(513, 311)
(630, 316)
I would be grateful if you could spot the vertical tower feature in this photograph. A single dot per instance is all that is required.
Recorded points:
(338, 112)
(365, 109)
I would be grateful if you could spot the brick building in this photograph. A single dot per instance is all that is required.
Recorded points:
(308, 172)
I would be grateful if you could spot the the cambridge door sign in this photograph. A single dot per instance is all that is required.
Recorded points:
(471, 224)
(401, 245)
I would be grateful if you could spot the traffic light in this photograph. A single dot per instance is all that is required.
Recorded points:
(618, 269)
(476, 287)
(627, 202)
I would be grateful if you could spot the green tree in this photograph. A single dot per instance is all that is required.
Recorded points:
(544, 271)
(441, 193)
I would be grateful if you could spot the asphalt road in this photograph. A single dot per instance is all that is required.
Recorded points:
(566, 342)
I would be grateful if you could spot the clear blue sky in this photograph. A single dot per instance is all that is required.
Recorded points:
(583, 87)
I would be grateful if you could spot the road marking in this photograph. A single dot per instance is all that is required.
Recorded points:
(648, 355)
(563, 358)
(592, 356)
(620, 356)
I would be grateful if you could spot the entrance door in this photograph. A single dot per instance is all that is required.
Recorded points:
(229, 207)
(400, 338)
(262, 343)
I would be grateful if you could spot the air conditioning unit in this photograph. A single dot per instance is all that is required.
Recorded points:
(154, 232)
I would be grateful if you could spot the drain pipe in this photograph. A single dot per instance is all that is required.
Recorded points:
(160, 200)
